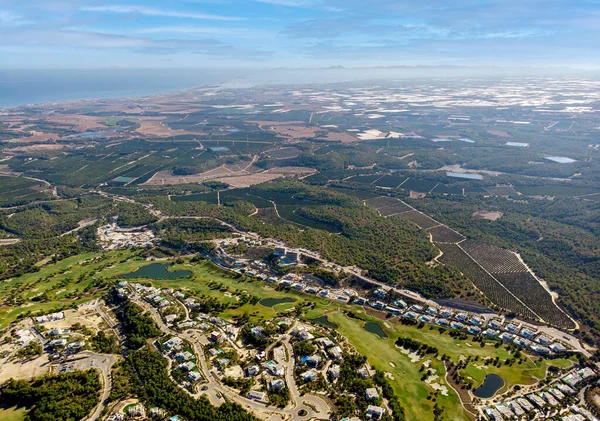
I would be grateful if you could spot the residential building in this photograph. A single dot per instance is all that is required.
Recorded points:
(334, 371)
(335, 353)
(256, 395)
(277, 384)
(375, 411)
(371, 394)
(309, 376)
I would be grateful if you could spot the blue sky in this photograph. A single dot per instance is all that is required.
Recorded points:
(298, 33)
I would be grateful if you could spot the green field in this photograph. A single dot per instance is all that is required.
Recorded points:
(12, 414)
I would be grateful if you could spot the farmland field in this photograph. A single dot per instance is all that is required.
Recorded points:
(486, 283)
(443, 234)
(493, 259)
(513, 275)
(419, 219)
(210, 197)
(390, 181)
(365, 179)
(18, 191)
(394, 209)
(532, 293)
(382, 201)
(422, 186)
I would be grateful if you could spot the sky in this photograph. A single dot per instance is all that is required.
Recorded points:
(298, 33)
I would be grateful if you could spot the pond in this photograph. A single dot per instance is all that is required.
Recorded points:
(490, 386)
(157, 271)
(272, 302)
(323, 320)
(376, 329)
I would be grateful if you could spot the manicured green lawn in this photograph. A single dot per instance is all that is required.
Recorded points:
(77, 273)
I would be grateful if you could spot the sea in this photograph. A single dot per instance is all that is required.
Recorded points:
(36, 86)
(21, 87)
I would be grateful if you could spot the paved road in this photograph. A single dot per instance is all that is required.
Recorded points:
(103, 363)
(215, 387)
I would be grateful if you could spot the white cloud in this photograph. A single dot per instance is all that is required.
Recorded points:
(8, 18)
(151, 11)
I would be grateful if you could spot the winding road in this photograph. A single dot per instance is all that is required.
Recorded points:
(214, 388)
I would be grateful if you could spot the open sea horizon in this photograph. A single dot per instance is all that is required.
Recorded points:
(22, 87)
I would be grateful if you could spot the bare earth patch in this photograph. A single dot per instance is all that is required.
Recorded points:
(25, 370)
(341, 137)
(290, 131)
(490, 216)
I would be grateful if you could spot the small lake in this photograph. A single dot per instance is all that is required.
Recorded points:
(272, 302)
(490, 386)
(157, 271)
(324, 320)
(376, 329)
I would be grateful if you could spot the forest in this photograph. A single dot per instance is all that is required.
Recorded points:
(62, 397)
(155, 388)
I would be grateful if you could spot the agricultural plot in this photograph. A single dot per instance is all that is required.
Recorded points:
(390, 181)
(493, 259)
(316, 179)
(501, 191)
(323, 151)
(210, 197)
(453, 255)
(382, 201)
(514, 276)
(364, 179)
(245, 195)
(394, 209)
(421, 220)
(443, 234)
(284, 153)
(359, 194)
(593, 197)
(18, 191)
(532, 293)
(422, 186)
(444, 189)
(288, 212)
(568, 191)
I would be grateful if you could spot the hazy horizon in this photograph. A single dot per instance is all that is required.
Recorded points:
(298, 34)
(33, 86)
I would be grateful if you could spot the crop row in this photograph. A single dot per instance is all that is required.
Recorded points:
(443, 234)
(381, 201)
(532, 293)
(455, 256)
(394, 209)
(493, 259)
(421, 220)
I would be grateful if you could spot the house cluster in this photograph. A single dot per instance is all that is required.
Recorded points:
(552, 400)
(518, 334)
(326, 360)
(24, 336)
(183, 361)
(138, 411)
(522, 335)
(49, 317)
(56, 341)
(154, 296)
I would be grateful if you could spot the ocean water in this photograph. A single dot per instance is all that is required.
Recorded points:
(20, 87)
